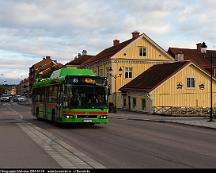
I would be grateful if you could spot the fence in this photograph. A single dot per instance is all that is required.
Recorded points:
(183, 111)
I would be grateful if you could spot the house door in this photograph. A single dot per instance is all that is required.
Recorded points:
(143, 103)
(129, 103)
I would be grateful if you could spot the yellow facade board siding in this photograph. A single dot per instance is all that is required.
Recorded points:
(131, 59)
(167, 94)
(132, 51)
(137, 70)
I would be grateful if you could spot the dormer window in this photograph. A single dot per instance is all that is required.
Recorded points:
(142, 51)
(179, 57)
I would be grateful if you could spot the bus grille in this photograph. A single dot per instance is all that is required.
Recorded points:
(86, 116)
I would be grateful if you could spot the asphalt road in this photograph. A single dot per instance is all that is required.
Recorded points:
(121, 144)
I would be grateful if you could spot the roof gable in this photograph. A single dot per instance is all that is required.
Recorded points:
(194, 55)
(80, 60)
(109, 52)
(154, 76)
(42, 62)
(112, 51)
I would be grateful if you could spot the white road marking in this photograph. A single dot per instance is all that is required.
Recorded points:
(17, 113)
(64, 154)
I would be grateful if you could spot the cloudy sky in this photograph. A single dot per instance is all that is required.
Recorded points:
(31, 29)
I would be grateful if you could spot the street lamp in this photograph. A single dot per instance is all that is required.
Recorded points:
(203, 50)
(115, 76)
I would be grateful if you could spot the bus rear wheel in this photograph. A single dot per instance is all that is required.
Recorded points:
(54, 118)
(53, 115)
(37, 113)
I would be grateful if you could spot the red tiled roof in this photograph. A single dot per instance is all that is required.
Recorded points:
(80, 60)
(47, 72)
(42, 62)
(154, 76)
(109, 52)
(194, 55)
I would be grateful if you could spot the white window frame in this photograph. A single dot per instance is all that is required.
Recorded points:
(101, 72)
(142, 51)
(190, 82)
(128, 70)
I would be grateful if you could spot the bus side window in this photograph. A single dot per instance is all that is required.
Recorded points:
(52, 97)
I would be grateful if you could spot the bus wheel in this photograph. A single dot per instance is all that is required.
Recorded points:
(37, 113)
(53, 115)
(92, 125)
(54, 118)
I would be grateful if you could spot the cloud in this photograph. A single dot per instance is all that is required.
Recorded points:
(61, 29)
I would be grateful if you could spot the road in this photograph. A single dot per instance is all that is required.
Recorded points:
(121, 144)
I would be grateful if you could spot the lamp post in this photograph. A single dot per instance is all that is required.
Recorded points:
(115, 76)
(203, 50)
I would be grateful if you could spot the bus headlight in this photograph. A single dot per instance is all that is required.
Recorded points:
(103, 117)
(69, 116)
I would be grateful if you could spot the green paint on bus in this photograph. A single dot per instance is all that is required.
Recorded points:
(71, 95)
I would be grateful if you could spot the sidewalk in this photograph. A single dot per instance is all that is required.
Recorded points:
(193, 121)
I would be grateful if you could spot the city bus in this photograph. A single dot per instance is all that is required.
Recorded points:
(71, 95)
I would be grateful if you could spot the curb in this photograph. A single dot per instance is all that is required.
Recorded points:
(172, 122)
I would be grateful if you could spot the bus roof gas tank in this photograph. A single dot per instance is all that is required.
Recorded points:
(71, 71)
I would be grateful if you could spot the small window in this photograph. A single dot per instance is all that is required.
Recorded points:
(191, 82)
(142, 51)
(101, 72)
(128, 72)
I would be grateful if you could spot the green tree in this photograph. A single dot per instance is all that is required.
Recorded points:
(2, 89)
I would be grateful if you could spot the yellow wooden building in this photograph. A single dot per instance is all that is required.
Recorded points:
(131, 57)
(172, 85)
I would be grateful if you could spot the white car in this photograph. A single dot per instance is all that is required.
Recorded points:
(5, 98)
(21, 99)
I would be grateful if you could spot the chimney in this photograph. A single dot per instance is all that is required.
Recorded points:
(115, 42)
(199, 46)
(84, 52)
(47, 57)
(135, 34)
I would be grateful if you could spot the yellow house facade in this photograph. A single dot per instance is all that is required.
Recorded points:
(167, 86)
(132, 56)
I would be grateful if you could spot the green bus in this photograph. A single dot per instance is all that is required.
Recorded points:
(71, 95)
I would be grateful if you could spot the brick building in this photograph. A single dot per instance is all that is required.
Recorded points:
(42, 69)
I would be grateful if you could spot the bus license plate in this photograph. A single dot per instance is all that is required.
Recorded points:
(87, 121)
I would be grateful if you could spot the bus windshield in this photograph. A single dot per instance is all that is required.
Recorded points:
(86, 97)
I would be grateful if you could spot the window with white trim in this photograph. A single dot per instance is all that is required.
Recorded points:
(142, 51)
(128, 72)
(191, 82)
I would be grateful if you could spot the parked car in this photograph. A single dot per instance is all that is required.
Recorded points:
(15, 98)
(5, 98)
(22, 99)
